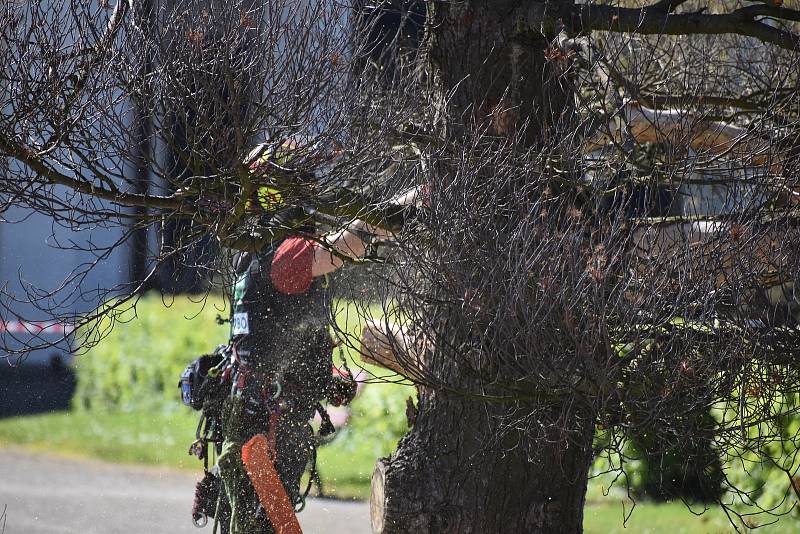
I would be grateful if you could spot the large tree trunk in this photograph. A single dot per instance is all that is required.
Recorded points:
(491, 65)
(454, 473)
(470, 466)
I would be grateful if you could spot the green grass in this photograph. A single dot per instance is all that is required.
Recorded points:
(667, 518)
(136, 437)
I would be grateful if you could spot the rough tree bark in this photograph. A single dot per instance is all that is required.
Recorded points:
(459, 470)
(451, 474)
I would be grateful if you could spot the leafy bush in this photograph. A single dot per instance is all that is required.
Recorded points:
(767, 476)
(138, 365)
(762, 461)
(643, 468)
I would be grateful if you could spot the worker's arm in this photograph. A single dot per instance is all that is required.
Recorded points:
(348, 241)
(299, 260)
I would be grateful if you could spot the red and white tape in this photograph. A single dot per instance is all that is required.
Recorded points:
(35, 327)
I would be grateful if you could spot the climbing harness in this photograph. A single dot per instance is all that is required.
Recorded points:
(204, 385)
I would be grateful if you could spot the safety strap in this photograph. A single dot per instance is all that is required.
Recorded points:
(258, 456)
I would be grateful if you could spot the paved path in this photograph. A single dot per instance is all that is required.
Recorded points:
(45, 494)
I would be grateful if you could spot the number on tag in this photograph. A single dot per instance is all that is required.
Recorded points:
(240, 324)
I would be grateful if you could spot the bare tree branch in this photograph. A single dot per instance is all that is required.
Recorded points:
(84, 185)
(655, 20)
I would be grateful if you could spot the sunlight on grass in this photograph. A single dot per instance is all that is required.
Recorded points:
(607, 517)
(135, 437)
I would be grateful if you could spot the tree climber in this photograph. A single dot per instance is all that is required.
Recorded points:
(279, 368)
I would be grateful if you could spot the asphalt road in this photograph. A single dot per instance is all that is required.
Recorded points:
(44, 494)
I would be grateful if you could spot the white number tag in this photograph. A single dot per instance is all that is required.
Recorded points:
(240, 324)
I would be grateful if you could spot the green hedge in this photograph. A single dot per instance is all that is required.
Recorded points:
(137, 366)
(767, 476)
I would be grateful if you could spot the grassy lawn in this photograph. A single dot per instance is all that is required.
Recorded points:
(667, 518)
(158, 439)
(162, 439)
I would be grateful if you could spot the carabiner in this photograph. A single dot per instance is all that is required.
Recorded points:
(300, 505)
(278, 390)
(201, 521)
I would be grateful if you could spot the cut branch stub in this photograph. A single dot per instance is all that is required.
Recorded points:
(392, 347)
(377, 498)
